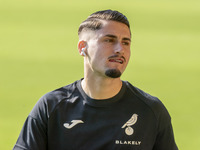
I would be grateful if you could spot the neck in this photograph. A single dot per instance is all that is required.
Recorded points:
(101, 88)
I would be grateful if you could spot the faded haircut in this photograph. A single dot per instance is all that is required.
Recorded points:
(93, 22)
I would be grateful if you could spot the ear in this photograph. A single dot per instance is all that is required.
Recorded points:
(81, 44)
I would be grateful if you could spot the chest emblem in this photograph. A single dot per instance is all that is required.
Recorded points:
(128, 129)
(74, 122)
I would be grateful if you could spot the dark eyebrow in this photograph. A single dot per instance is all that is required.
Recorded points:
(111, 36)
(115, 37)
(127, 39)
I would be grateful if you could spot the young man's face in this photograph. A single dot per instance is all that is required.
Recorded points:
(108, 49)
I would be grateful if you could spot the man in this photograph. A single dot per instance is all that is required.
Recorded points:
(100, 111)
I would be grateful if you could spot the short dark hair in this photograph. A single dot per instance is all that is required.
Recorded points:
(93, 22)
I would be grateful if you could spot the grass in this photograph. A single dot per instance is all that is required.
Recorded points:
(38, 54)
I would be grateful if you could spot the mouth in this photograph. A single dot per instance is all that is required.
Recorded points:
(117, 59)
(121, 61)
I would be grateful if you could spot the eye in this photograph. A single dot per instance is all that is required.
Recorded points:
(126, 43)
(109, 40)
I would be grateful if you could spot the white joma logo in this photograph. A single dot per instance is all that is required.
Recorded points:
(74, 122)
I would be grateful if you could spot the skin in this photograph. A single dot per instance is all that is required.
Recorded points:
(107, 48)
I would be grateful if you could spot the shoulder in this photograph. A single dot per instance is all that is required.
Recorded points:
(48, 102)
(157, 107)
(61, 93)
(150, 100)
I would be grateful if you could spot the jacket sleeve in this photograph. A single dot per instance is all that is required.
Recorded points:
(165, 136)
(33, 135)
(165, 139)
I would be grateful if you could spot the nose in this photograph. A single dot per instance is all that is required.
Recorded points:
(119, 49)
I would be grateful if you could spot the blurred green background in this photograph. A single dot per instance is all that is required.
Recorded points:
(38, 53)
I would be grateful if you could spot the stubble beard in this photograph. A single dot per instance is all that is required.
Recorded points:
(113, 73)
